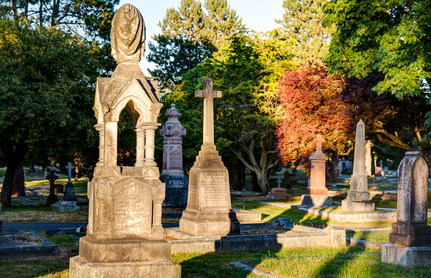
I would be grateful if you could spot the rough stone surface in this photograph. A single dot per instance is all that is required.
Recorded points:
(318, 170)
(64, 206)
(406, 256)
(316, 201)
(411, 227)
(124, 232)
(209, 210)
(276, 193)
(358, 197)
(337, 236)
(368, 159)
(79, 267)
(357, 217)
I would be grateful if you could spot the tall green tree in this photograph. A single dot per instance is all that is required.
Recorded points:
(47, 79)
(392, 37)
(190, 34)
(246, 69)
(303, 22)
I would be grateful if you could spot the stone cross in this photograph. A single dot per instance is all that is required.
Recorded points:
(69, 168)
(208, 94)
(319, 140)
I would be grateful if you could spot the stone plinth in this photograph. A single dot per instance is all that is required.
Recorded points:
(316, 201)
(406, 256)
(209, 210)
(318, 174)
(176, 190)
(358, 197)
(410, 239)
(276, 193)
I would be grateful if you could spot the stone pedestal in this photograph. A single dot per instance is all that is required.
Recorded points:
(316, 201)
(358, 197)
(176, 190)
(209, 209)
(406, 256)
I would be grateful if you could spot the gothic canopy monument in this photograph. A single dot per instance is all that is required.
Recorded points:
(124, 233)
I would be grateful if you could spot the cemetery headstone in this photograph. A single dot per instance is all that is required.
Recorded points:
(358, 197)
(124, 236)
(410, 240)
(69, 194)
(52, 176)
(317, 193)
(278, 192)
(368, 159)
(209, 210)
(172, 169)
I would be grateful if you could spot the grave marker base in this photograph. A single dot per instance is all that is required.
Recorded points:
(406, 256)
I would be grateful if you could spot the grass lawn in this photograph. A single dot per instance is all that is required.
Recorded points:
(371, 236)
(310, 262)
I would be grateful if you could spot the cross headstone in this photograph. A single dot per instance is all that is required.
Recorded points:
(319, 140)
(51, 176)
(208, 94)
(69, 193)
(69, 168)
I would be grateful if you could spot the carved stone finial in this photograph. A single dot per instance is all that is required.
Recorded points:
(128, 35)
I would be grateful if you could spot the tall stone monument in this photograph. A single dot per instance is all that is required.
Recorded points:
(410, 241)
(172, 169)
(368, 158)
(317, 192)
(358, 198)
(209, 210)
(124, 233)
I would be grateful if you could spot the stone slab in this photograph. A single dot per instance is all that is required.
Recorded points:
(276, 193)
(121, 251)
(305, 237)
(246, 216)
(81, 268)
(348, 205)
(10, 249)
(316, 201)
(354, 217)
(65, 206)
(406, 256)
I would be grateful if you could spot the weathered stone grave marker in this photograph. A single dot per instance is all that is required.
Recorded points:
(124, 233)
(52, 177)
(317, 192)
(368, 159)
(209, 210)
(358, 197)
(172, 169)
(69, 193)
(410, 241)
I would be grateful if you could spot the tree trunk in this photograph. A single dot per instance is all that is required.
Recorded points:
(18, 185)
(262, 180)
(14, 153)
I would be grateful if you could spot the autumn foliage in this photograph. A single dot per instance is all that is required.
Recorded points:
(312, 103)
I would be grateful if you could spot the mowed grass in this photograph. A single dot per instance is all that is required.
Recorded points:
(371, 236)
(42, 214)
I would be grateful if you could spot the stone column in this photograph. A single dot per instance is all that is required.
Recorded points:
(140, 145)
(368, 159)
(157, 217)
(100, 128)
(358, 198)
(410, 241)
(150, 132)
(110, 134)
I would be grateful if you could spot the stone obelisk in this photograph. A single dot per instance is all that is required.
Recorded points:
(410, 241)
(358, 197)
(209, 210)
(124, 234)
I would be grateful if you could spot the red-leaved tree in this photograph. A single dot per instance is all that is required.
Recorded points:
(313, 104)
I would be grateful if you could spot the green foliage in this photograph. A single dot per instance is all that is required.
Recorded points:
(303, 22)
(392, 37)
(190, 34)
